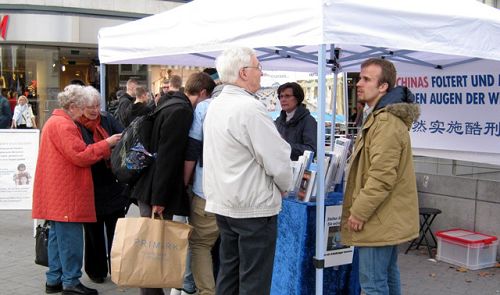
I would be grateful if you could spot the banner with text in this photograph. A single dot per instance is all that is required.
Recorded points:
(460, 109)
(18, 156)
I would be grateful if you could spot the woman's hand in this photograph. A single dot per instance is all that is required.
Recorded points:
(113, 139)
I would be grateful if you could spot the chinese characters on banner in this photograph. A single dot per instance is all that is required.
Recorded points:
(459, 110)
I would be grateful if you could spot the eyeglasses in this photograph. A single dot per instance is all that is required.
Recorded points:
(93, 107)
(165, 87)
(285, 96)
(258, 67)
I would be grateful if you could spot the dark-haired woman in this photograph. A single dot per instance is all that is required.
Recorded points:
(295, 123)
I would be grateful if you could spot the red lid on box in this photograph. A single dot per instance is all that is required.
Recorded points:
(465, 236)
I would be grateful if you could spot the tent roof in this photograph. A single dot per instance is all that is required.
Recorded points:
(287, 33)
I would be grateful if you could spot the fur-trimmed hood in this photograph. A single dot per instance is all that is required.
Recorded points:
(400, 102)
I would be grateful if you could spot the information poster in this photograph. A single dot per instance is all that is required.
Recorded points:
(459, 108)
(18, 156)
(335, 252)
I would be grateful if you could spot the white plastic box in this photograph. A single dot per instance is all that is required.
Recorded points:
(466, 248)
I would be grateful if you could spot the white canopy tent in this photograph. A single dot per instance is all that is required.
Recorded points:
(311, 36)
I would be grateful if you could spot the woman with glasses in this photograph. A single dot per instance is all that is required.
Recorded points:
(109, 197)
(295, 123)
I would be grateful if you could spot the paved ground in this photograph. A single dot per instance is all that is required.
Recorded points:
(20, 276)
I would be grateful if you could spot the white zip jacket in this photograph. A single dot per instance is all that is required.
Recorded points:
(246, 163)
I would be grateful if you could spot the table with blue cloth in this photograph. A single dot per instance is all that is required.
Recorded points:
(294, 272)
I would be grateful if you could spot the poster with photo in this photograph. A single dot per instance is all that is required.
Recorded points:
(335, 252)
(18, 156)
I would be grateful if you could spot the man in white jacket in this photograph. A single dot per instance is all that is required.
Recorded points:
(247, 170)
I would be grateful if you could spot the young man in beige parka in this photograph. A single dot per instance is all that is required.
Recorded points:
(380, 207)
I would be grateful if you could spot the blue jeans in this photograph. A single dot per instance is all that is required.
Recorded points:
(189, 286)
(65, 251)
(379, 271)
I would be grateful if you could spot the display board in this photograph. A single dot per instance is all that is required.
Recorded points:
(18, 156)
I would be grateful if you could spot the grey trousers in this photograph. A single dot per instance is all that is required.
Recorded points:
(246, 255)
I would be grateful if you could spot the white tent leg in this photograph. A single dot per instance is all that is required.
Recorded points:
(102, 76)
(320, 200)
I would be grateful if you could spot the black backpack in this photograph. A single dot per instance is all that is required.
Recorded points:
(131, 156)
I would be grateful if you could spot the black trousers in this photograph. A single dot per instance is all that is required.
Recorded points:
(246, 255)
(98, 240)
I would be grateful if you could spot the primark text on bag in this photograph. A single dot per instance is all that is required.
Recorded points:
(149, 253)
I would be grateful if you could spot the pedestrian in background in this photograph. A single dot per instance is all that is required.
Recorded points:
(63, 191)
(5, 112)
(380, 208)
(23, 117)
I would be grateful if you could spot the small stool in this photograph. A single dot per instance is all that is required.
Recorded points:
(427, 217)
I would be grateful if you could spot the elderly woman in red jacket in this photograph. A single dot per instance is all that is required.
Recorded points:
(63, 190)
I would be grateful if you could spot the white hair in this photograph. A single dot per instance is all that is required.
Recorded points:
(230, 61)
(91, 95)
(72, 94)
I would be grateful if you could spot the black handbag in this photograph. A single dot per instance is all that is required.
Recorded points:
(41, 244)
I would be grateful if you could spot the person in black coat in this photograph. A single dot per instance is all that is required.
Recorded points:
(140, 107)
(125, 102)
(160, 189)
(295, 123)
(110, 201)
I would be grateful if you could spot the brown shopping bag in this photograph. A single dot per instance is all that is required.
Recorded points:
(149, 253)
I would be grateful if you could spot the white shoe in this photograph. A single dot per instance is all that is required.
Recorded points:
(175, 292)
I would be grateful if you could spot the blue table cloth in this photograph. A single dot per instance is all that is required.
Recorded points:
(294, 272)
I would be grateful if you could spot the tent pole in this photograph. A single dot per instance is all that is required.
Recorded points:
(334, 108)
(346, 102)
(102, 86)
(320, 199)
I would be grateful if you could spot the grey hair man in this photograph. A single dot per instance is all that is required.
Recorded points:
(244, 184)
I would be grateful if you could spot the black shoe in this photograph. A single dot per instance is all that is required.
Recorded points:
(51, 289)
(97, 280)
(79, 289)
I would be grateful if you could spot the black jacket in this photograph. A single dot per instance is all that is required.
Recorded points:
(162, 183)
(135, 110)
(299, 132)
(122, 112)
(108, 193)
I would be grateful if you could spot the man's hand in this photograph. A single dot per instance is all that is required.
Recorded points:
(355, 224)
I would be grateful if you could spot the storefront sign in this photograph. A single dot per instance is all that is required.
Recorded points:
(3, 26)
(18, 156)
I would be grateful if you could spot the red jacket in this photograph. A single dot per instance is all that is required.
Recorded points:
(63, 189)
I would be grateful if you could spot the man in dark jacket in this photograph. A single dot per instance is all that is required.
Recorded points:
(161, 188)
(141, 106)
(125, 102)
